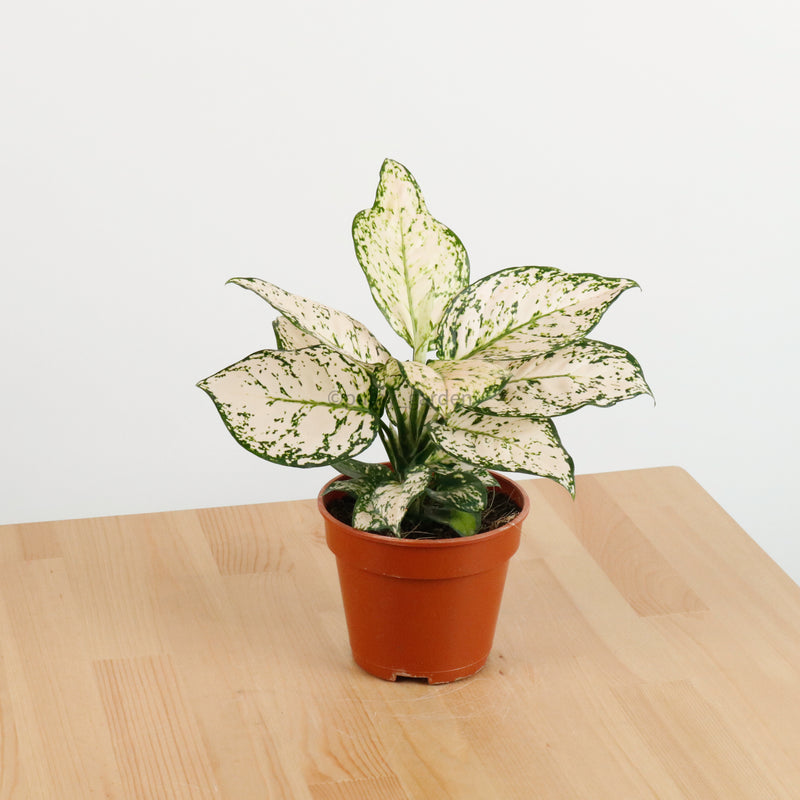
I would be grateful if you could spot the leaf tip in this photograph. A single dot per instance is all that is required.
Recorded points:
(569, 484)
(397, 188)
(239, 281)
(392, 164)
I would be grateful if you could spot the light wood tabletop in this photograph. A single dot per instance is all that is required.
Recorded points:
(646, 648)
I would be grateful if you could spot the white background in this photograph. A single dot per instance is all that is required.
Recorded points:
(151, 150)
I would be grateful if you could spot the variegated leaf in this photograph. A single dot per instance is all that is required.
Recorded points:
(483, 475)
(385, 506)
(390, 375)
(462, 490)
(441, 458)
(349, 486)
(524, 311)
(517, 444)
(378, 473)
(584, 372)
(301, 408)
(413, 263)
(289, 337)
(448, 385)
(331, 327)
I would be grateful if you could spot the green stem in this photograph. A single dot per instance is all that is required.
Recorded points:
(390, 446)
(403, 438)
(407, 442)
(419, 353)
(412, 412)
(420, 428)
(398, 415)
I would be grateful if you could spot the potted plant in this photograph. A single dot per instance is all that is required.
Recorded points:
(491, 363)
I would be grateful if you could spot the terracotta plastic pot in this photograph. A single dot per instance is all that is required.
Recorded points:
(422, 608)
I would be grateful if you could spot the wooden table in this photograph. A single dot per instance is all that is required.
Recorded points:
(647, 648)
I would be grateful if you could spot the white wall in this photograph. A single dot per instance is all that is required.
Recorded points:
(151, 150)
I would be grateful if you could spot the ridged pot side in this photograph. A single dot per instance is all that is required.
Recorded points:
(423, 608)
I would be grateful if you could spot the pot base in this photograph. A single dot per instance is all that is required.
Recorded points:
(431, 677)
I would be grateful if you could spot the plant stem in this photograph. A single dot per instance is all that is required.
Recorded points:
(407, 442)
(390, 446)
(412, 412)
(420, 429)
(403, 450)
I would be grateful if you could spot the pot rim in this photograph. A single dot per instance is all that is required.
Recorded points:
(507, 485)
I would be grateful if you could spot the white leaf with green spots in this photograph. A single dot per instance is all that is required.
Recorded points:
(448, 385)
(331, 327)
(462, 490)
(516, 444)
(289, 337)
(301, 408)
(448, 463)
(582, 373)
(524, 311)
(384, 507)
(389, 374)
(413, 263)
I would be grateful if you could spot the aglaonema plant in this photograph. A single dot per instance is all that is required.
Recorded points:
(491, 363)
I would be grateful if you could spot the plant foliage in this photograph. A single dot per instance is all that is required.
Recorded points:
(491, 363)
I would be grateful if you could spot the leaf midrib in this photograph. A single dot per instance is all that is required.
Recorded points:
(301, 401)
(530, 322)
(503, 335)
(407, 280)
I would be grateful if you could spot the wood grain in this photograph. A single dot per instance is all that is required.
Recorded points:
(630, 560)
(156, 740)
(647, 649)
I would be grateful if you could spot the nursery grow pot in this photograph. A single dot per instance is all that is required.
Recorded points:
(422, 608)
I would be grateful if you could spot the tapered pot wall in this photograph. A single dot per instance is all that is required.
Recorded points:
(423, 608)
